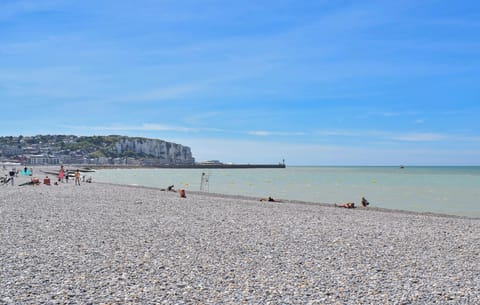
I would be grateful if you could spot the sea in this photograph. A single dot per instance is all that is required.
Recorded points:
(448, 190)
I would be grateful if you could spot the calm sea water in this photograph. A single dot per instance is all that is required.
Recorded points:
(448, 190)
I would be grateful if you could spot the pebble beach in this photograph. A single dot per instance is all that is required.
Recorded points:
(116, 244)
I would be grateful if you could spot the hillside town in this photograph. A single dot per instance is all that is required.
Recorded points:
(93, 150)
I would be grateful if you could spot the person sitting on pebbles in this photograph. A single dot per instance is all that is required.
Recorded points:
(169, 189)
(365, 202)
(269, 199)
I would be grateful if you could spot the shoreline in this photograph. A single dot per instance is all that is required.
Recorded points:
(191, 166)
(48, 170)
(411, 190)
(323, 204)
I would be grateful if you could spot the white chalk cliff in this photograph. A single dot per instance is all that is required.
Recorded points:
(165, 152)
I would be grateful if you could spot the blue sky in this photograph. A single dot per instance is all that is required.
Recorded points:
(311, 82)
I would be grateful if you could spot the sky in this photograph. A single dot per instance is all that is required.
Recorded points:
(309, 82)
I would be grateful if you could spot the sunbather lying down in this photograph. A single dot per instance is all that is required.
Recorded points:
(33, 181)
(348, 205)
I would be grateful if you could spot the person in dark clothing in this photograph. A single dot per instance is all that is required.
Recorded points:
(365, 202)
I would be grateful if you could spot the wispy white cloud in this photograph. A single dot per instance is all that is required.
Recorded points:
(388, 135)
(352, 133)
(261, 151)
(455, 22)
(201, 117)
(77, 82)
(396, 113)
(421, 137)
(364, 135)
(152, 127)
(50, 82)
(264, 133)
(164, 93)
(142, 127)
(10, 9)
(353, 70)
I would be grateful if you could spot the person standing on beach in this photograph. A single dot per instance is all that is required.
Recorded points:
(61, 173)
(12, 175)
(204, 183)
(77, 177)
(66, 176)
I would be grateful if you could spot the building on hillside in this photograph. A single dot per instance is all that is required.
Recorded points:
(42, 160)
(11, 150)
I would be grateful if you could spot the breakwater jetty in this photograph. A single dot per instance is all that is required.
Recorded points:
(196, 165)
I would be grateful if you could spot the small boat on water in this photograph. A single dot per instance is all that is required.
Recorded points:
(10, 163)
(86, 170)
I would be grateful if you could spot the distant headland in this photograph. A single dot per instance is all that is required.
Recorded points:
(105, 152)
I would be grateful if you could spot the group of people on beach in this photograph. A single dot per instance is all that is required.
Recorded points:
(14, 173)
(9, 178)
(64, 174)
(348, 205)
(181, 192)
(351, 205)
(170, 188)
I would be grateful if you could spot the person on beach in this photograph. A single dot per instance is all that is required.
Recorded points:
(348, 205)
(33, 181)
(46, 180)
(204, 182)
(26, 172)
(6, 180)
(169, 189)
(61, 174)
(365, 202)
(66, 175)
(77, 177)
(182, 194)
(269, 199)
(12, 175)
